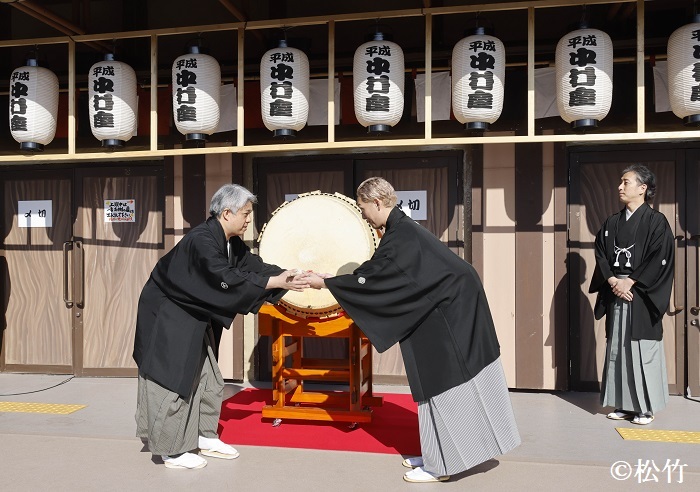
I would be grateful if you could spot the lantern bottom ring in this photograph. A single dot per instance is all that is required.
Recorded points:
(477, 125)
(31, 147)
(284, 133)
(584, 124)
(692, 120)
(196, 136)
(378, 129)
(113, 143)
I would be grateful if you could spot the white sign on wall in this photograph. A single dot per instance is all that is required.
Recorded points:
(413, 203)
(35, 213)
(120, 210)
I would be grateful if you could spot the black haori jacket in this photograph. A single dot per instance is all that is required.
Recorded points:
(651, 266)
(196, 284)
(417, 292)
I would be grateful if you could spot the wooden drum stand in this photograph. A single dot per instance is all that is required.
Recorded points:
(290, 400)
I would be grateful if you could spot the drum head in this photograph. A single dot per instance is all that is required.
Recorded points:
(320, 232)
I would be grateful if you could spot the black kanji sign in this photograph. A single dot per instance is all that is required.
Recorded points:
(378, 84)
(281, 72)
(378, 66)
(186, 78)
(281, 90)
(582, 57)
(585, 77)
(481, 80)
(102, 119)
(482, 61)
(186, 113)
(480, 100)
(377, 103)
(279, 107)
(383, 50)
(582, 97)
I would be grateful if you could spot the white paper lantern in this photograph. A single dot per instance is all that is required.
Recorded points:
(196, 94)
(112, 106)
(684, 72)
(33, 106)
(378, 81)
(584, 66)
(478, 79)
(284, 90)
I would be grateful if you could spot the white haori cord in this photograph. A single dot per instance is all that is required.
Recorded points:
(627, 253)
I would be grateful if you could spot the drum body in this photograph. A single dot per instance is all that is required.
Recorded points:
(321, 232)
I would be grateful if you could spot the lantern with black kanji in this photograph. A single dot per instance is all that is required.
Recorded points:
(196, 94)
(584, 74)
(33, 106)
(112, 106)
(284, 90)
(378, 81)
(684, 72)
(478, 79)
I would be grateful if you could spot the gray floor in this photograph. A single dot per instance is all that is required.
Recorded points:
(568, 444)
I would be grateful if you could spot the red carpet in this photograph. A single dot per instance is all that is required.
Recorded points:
(393, 430)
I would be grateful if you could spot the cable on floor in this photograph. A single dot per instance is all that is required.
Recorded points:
(39, 390)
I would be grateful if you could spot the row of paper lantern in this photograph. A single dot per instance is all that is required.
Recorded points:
(584, 75)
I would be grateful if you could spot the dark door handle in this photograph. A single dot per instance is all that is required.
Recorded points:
(79, 277)
(677, 298)
(66, 283)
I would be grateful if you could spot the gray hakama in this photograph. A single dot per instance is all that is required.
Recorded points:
(170, 424)
(634, 376)
(468, 424)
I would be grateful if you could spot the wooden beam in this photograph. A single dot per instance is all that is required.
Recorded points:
(331, 81)
(240, 116)
(154, 94)
(530, 71)
(238, 14)
(50, 19)
(169, 31)
(71, 98)
(428, 112)
(354, 145)
(641, 110)
(493, 7)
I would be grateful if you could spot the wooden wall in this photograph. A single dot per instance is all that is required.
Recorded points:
(519, 249)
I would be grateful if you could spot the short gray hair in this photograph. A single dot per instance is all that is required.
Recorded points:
(232, 197)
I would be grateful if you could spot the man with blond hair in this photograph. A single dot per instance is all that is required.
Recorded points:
(416, 292)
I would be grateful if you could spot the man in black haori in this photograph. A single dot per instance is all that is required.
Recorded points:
(198, 287)
(634, 253)
(416, 292)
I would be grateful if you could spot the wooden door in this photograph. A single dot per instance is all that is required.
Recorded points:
(594, 179)
(691, 234)
(35, 272)
(119, 250)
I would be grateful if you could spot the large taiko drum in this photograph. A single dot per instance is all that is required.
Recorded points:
(320, 232)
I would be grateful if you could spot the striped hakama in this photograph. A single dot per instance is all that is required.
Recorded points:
(468, 424)
(171, 424)
(634, 376)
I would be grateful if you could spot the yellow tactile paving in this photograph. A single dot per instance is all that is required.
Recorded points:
(52, 408)
(688, 437)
